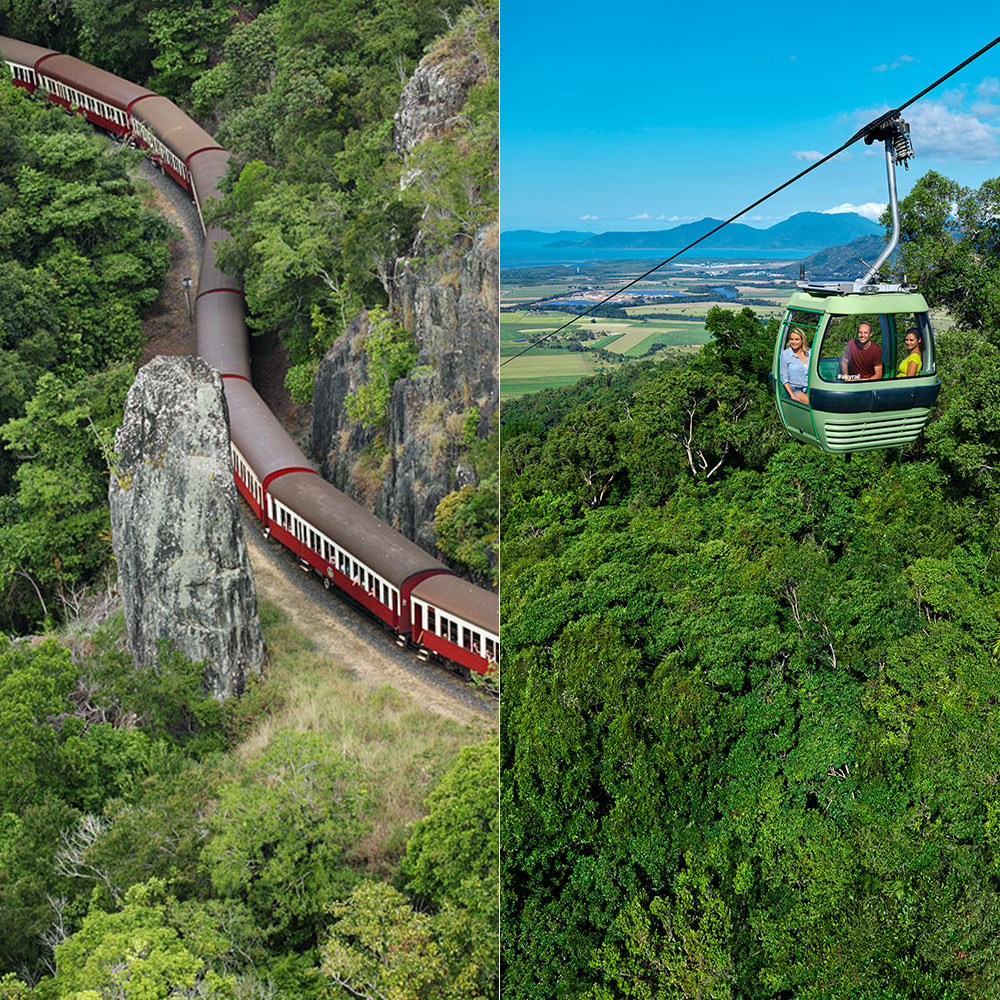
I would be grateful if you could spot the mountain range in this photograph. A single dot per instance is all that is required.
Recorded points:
(803, 230)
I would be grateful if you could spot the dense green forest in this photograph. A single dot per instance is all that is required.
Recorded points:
(312, 838)
(750, 740)
(80, 261)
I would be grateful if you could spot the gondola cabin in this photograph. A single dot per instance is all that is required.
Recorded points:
(862, 392)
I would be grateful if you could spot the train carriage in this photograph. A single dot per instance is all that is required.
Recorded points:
(457, 621)
(173, 136)
(222, 333)
(260, 442)
(348, 546)
(207, 169)
(22, 58)
(211, 278)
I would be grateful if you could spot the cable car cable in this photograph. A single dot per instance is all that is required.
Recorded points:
(874, 124)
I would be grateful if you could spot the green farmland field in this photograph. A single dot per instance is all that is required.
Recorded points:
(530, 373)
(627, 338)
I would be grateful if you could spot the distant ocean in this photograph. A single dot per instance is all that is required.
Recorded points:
(522, 255)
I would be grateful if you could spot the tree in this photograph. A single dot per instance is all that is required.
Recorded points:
(381, 949)
(55, 532)
(153, 947)
(949, 246)
(452, 858)
(280, 833)
(580, 455)
(391, 353)
(675, 948)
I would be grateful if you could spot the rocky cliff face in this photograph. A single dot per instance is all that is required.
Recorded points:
(447, 297)
(183, 568)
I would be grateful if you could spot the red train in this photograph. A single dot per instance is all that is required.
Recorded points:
(417, 596)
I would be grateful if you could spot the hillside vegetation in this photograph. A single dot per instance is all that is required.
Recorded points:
(312, 838)
(751, 735)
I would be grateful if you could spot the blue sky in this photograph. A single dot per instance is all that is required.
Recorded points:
(646, 115)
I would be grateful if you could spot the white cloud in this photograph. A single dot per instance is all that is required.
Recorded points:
(901, 61)
(983, 109)
(870, 210)
(813, 156)
(990, 87)
(589, 218)
(644, 217)
(951, 135)
(942, 130)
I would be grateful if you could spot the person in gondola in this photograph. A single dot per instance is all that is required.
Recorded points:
(793, 365)
(914, 360)
(863, 357)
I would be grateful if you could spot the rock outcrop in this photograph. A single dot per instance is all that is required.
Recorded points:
(183, 568)
(448, 298)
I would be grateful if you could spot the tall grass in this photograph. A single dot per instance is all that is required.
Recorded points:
(401, 748)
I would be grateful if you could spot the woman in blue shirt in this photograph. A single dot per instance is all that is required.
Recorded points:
(793, 365)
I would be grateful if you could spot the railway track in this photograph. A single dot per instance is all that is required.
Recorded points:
(336, 627)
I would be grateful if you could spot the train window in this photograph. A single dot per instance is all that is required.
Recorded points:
(453, 628)
(491, 649)
(467, 638)
(431, 623)
(444, 627)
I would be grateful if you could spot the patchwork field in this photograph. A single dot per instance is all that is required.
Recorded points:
(531, 372)
(657, 329)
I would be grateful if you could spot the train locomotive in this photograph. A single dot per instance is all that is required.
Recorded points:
(416, 596)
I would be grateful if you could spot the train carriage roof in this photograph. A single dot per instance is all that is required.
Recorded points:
(23, 53)
(458, 597)
(179, 132)
(353, 528)
(98, 83)
(258, 434)
(220, 322)
(207, 170)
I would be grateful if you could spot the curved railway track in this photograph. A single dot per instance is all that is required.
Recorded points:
(336, 628)
(413, 594)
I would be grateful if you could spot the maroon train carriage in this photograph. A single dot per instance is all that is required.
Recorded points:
(210, 278)
(413, 593)
(173, 136)
(220, 322)
(21, 57)
(348, 546)
(457, 621)
(207, 169)
(262, 449)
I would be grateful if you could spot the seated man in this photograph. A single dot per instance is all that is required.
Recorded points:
(862, 357)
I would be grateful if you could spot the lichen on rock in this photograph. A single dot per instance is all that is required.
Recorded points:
(183, 567)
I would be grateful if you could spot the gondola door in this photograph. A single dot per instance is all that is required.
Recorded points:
(796, 416)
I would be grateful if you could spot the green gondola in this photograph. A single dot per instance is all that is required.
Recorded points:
(858, 390)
